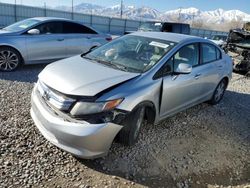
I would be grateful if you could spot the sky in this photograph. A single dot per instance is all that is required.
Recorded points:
(161, 5)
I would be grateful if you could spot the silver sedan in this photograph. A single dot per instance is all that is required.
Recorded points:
(44, 40)
(82, 103)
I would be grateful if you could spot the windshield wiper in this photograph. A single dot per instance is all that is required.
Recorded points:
(114, 65)
(120, 67)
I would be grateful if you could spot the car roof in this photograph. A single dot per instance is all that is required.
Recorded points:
(173, 37)
(49, 18)
(41, 19)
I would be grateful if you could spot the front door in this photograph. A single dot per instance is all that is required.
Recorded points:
(181, 91)
(47, 46)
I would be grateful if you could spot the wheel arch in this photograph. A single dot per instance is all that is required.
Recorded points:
(150, 110)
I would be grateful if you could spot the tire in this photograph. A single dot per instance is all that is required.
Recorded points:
(132, 125)
(219, 92)
(10, 59)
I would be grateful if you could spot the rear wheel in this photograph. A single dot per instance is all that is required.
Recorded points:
(132, 125)
(219, 92)
(10, 59)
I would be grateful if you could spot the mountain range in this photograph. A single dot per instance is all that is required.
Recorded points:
(187, 15)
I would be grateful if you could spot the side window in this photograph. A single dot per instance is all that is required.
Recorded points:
(77, 28)
(50, 28)
(218, 54)
(209, 53)
(188, 54)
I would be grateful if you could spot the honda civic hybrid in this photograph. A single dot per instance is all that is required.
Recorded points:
(83, 103)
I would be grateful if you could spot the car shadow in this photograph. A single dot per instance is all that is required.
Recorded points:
(214, 142)
(26, 73)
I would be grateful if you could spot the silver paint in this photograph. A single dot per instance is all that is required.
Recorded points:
(46, 48)
(86, 78)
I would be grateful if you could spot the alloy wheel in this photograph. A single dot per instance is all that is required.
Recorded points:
(8, 60)
(220, 91)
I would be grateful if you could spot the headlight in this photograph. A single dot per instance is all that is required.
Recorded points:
(54, 98)
(85, 108)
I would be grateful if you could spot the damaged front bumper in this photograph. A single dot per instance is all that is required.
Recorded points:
(80, 138)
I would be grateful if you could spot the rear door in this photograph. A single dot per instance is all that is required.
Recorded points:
(47, 46)
(211, 68)
(77, 38)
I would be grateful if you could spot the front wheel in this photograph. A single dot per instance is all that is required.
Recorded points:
(219, 92)
(132, 125)
(9, 59)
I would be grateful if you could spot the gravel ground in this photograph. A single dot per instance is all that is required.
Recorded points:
(205, 146)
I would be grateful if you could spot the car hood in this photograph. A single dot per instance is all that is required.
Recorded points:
(82, 77)
(6, 33)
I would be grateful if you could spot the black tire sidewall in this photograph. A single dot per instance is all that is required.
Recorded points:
(126, 135)
(134, 126)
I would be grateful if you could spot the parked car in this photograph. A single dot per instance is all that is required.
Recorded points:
(82, 103)
(172, 27)
(219, 39)
(44, 40)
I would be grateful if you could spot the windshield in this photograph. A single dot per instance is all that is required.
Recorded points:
(131, 53)
(19, 26)
(219, 37)
(150, 27)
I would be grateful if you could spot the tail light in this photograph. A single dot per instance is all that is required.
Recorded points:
(109, 38)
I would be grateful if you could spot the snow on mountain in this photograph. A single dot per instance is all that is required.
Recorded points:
(142, 13)
(218, 16)
(188, 15)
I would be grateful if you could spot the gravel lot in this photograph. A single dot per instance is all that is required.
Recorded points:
(205, 146)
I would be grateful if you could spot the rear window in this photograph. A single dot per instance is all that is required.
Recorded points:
(209, 53)
(218, 54)
(77, 28)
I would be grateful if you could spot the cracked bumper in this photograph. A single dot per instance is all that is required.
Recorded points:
(81, 139)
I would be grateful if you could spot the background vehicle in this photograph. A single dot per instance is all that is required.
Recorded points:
(81, 103)
(44, 40)
(219, 39)
(238, 47)
(164, 27)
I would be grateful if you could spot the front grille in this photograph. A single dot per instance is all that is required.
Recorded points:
(54, 98)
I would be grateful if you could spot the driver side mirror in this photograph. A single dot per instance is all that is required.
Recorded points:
(183, 68)
(34, 32)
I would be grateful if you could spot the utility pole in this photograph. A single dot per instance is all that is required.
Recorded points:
(45, 9)
(15, 12)
(72, 11)
(180, 9)
(121, 8)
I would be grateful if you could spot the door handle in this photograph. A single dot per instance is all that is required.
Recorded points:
(60, 39)
(197, 76)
